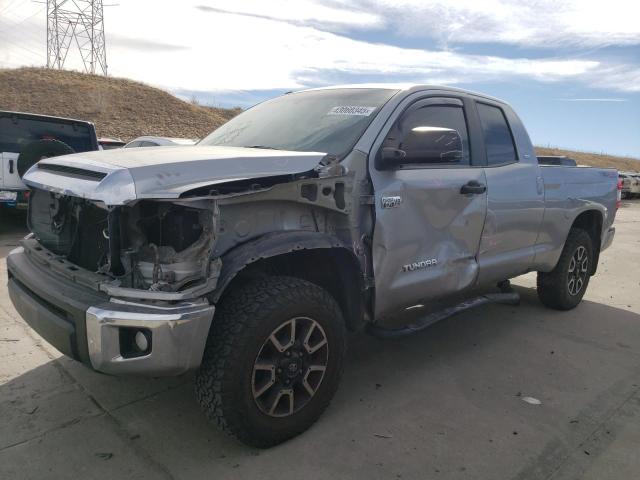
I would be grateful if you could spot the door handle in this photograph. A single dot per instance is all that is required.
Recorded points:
(473, 187)
(10, 166)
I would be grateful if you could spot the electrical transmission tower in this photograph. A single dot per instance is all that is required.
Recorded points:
(80, 22)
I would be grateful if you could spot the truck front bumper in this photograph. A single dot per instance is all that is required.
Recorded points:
(100, 331)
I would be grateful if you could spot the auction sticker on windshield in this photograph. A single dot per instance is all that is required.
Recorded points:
(351, 110)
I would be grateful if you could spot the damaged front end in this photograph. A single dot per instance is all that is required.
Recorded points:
(125, 264)
(121, 288)
(144, 227)
(171, 249)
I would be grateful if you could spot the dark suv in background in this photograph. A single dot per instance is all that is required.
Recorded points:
(26, 138)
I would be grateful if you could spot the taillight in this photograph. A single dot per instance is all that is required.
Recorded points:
(619, 197)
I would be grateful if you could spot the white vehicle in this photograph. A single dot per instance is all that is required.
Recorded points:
(107, 143)
(626, 179)
(634, 190)
(630, 184)
(149, 141)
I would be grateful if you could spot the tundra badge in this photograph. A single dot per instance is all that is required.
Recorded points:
(432, 262)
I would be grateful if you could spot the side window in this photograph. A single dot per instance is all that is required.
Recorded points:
(497, 136)
(431, 135)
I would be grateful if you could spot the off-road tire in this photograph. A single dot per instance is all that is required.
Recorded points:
(33, 152)
(553, 289)
(243, 321)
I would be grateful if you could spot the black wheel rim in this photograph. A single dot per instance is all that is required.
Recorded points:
(290, 367)
(578, 271)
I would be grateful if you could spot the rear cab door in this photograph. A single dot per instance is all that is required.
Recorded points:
(515, 194)
(427, 229)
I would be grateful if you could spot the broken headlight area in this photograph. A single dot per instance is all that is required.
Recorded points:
(150, 245)
(166, 246)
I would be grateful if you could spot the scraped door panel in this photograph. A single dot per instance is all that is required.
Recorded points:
(515, 208)
(425, 242)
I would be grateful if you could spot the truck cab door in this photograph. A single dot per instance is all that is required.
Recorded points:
(430, 205)
(515, 201)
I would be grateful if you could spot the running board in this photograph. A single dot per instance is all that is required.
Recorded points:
(505, 298)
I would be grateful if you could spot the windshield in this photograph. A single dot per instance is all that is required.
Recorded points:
(328, 121)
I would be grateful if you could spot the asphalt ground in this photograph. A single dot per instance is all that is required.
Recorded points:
(446, 403)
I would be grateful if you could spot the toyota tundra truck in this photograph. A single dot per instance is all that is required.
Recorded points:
(250, 255)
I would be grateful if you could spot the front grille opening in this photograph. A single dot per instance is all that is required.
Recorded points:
(69, 227)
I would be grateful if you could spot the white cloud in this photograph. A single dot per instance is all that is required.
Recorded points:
(592, 99)
(283, 46)
(540, 23)
(300, 12)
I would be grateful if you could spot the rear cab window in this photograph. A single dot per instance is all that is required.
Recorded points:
(16, 132)
(497, 135)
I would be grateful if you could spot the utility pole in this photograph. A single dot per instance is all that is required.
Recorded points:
(80, 22)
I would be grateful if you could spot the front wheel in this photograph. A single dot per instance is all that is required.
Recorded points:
(273, 360)
(564, 287)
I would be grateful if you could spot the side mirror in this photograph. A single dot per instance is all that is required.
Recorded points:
(435, 145)
(389, 158)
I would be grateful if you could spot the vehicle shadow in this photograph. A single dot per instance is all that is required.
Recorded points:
(447, 400)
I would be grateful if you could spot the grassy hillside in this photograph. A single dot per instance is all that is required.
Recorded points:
(595, 159)
(118, 107)
(126, 109)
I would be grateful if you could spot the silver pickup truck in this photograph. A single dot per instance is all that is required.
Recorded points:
(249, 255)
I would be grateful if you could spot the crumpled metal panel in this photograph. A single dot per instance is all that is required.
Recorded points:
(165, 172)
(433, 226)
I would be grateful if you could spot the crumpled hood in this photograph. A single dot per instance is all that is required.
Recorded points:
(119, 176)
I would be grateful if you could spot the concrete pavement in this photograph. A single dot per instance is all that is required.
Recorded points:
(446, 403)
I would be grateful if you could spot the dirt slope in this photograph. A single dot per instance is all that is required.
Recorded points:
(595, 159)
(118, 107)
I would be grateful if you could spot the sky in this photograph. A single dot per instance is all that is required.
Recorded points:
(570, 68)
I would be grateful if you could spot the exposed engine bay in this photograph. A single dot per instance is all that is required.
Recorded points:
(157, 246)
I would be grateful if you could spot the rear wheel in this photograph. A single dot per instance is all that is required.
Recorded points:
(564, 287)
(273, 360)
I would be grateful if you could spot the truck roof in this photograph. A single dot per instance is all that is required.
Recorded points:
(408, 88)
(37, 116)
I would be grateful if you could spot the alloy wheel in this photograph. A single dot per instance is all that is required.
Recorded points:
(290, 366)
(578, 271)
